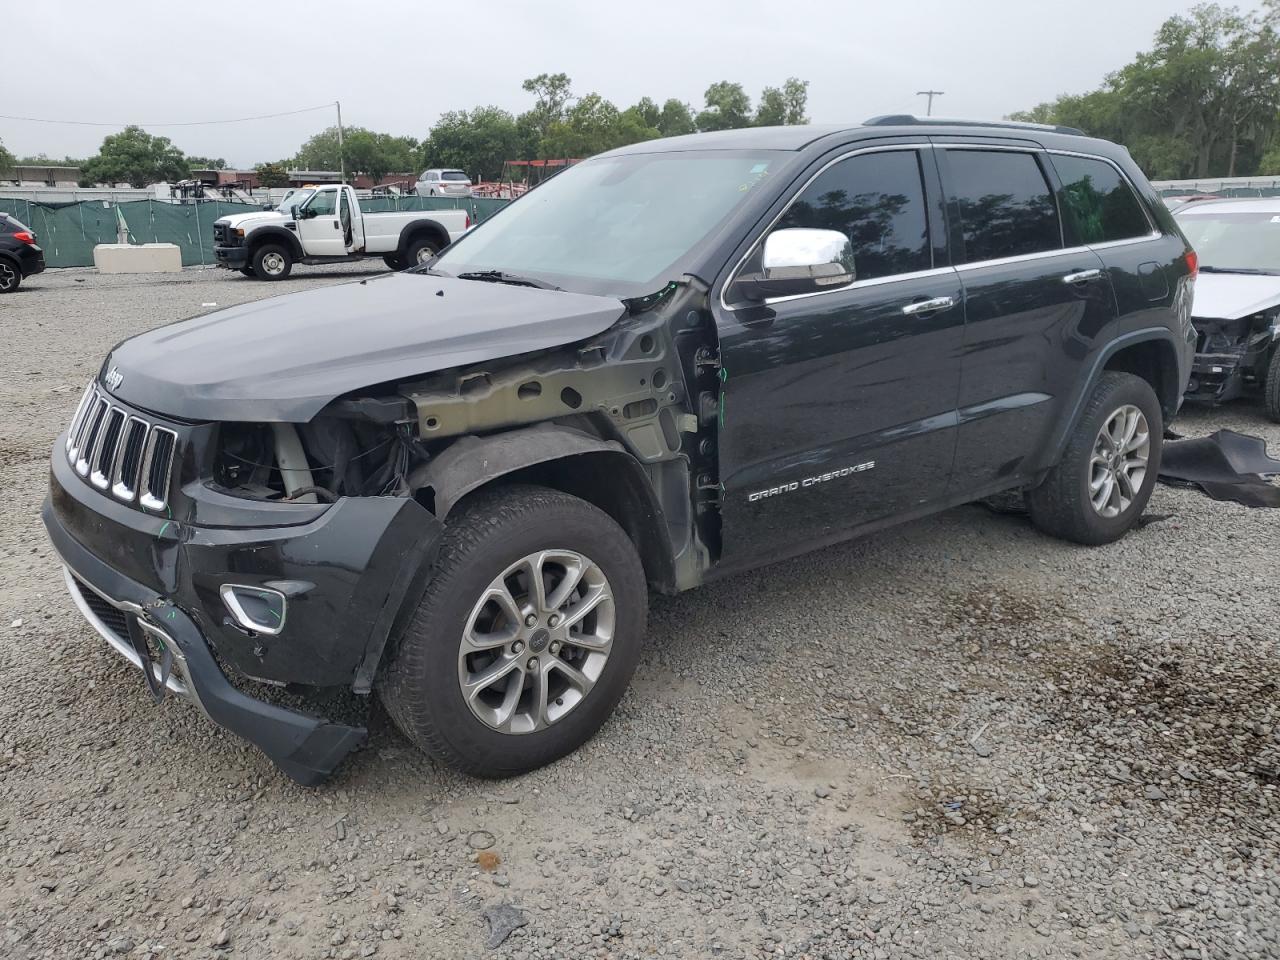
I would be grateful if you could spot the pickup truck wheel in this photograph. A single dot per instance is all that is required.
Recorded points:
(1271, 387)
(10, 277)
(526, 636)
(1099, 489)
(420, 250)
(247, 271)
(272, 262)
(392, 261)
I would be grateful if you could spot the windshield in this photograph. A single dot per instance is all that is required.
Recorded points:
(453, 175)
(292, 199)
(1245, 242)
(614, 225)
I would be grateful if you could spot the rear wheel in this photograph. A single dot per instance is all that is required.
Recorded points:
(419, 250)
(392, 261)
(272, 262)
(1271, 387)
(247, 271)
(1102, 484)
(10, 277)
(526, 636)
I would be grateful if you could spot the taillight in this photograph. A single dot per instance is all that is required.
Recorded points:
(467, 225)
(25, 236)
(1193, 264)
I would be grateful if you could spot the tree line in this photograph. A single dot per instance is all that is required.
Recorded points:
(479, 141)
(1203, 102)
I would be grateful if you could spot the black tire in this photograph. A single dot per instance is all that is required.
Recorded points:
(264, 262)
(1061, 505)
(10, 276)
(490, 531)
(392, 261)
(413, 253)
(247, 271)
(1271, 386)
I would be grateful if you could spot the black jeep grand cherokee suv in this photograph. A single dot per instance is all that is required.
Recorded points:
(687, 357)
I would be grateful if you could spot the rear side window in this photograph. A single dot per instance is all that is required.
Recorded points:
(1006, 207)
(1099, 201)
(877, 201)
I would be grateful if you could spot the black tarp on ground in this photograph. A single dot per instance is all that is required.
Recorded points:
(1226, 466)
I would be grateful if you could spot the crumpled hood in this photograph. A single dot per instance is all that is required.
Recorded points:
(284, 358)
(1229, 296)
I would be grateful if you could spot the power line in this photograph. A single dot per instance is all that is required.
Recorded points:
(184, 123)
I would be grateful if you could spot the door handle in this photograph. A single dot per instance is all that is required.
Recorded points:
(337, 225)
(1083, 276)
(928, 306)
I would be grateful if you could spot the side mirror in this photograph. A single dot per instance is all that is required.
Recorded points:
(799, 260)
(268, 206)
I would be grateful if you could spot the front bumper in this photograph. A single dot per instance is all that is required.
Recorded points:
(347, 575)
(235, 258)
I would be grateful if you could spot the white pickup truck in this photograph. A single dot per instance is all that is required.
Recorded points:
(329, 227)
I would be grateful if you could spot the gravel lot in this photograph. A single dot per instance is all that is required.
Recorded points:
(954, 739)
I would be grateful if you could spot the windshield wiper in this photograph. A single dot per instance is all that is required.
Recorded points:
(1250, 271)
(498, 276)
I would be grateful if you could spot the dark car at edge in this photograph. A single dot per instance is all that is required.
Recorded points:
(455, 487)
(20, 255)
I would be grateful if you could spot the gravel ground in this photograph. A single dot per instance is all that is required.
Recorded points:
(956, 739)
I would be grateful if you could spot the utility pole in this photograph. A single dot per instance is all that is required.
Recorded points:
(342, 159)
(930, 94)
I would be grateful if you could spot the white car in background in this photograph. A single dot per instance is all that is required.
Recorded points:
(1236, 310)
(444, 183)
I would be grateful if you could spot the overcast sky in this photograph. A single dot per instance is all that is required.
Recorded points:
(399, 65)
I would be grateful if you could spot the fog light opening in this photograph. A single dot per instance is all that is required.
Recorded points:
(255, 608)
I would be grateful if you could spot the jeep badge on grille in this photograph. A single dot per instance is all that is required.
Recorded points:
(114, 378)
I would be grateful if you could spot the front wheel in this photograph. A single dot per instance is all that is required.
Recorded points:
(1102, 484)
(10, 277)
(1271, 386)
(272, 262)
(526, 636)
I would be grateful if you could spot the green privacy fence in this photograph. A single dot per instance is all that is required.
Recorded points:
(68, 232)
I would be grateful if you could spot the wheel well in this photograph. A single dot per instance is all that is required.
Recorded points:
(288, 242)
(1155, 362)
(617, 486)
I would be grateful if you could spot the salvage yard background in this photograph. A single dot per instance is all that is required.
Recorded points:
(957, 738)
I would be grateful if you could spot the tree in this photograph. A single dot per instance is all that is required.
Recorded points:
(365, 151)
(552, 95)
(6, 159)
(1203, 102)
(272, 174)
(206, 163)
(771, 111)
(727, 107)
(479, 142)
(135, 157)
(795, 94)
(676, 119)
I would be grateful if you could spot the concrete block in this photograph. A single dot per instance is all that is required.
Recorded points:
(133, 258)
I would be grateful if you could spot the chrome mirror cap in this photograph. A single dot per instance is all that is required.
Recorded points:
(799, 260)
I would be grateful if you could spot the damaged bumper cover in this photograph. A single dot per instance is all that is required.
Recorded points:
(143, 581)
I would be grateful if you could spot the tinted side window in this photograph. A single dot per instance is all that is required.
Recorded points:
(877, 201)
(1006, 208)
(1099, 201)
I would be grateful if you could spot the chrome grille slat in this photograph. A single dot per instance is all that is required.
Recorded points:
(104, 457)
(154, 487)
(120, 451)
(88, 445)
(128, 465)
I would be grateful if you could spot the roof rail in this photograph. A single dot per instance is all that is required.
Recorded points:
(908, 120)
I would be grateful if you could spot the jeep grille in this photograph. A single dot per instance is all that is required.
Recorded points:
(120, 452)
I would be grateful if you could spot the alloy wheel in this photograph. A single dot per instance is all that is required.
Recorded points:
(8, 277)
(536, 641)
(1118, 466)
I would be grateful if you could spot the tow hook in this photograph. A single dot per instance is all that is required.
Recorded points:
(138, 634)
